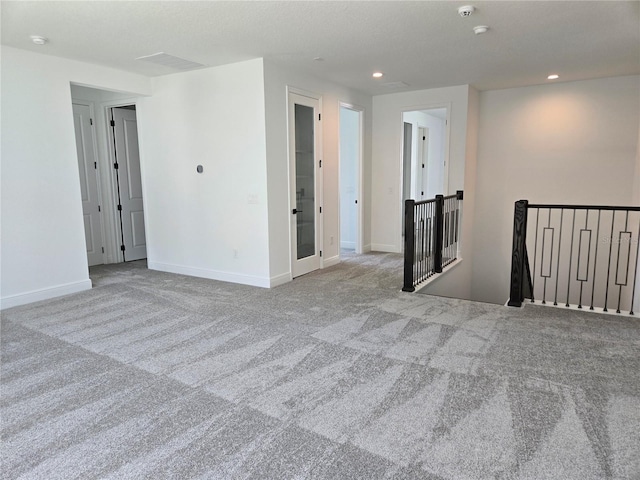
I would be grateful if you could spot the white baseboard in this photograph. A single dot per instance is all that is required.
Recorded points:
(381, 247)
(349, 245)
(252, 280)
(331, 261)
(280, 279)
(44, 294)
(366, 248)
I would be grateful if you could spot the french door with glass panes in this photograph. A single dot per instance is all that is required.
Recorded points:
(306, 185)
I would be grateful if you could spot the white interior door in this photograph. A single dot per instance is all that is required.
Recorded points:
(88, 168)
(129, 183)
(305, 185)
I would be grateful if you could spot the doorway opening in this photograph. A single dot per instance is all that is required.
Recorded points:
(350, 178)
(425, 153)
(110, 175)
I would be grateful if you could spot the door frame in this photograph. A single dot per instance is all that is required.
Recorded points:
(447, 159)
(359, 223)
(319, 180)
(99, 180)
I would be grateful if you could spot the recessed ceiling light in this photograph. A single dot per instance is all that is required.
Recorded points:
(38, 40)
(553, 77)
(378, 75)
(480, 29)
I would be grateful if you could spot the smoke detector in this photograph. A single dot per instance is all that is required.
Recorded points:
(480, 29)
(466, 11)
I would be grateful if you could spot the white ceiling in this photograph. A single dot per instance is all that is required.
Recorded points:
(425, 44)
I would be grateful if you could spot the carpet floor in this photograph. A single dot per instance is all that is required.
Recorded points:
(336, 375)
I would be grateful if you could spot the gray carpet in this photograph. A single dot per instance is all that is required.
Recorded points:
(336, 375)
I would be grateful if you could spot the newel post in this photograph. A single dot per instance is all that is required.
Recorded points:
(518, 253)
(409, 245)
(438, 233)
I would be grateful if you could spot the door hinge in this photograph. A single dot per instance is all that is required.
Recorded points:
(122, 248)
(115, 165)
(424, 138)
(119, 208)
(99, 208)
(113, 123)
(95, 165)
(320, 209)
(319, 117)
(320, 164)
(423, 165)
(320, 252)
(102, 249)
(422, 193)
(91, 121)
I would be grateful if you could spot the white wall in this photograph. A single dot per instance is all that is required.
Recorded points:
(349, 157)
(387, 155)
(43, 247)
(213, 224)
(276, 80)
(573, 142)
(457, 282)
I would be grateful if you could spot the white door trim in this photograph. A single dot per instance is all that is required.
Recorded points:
(318, 140)
(360, 197)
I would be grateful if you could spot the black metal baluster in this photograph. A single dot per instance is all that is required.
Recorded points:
(573, 229)
(535, 253)
(544, 291)
(555, 300)
(586, 221)
(595, 260)
(626, 224)
(606, 292)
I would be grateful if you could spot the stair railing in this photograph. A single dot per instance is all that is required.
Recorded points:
(431, 237)
(583, 255)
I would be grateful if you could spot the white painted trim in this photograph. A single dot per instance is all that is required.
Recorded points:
(331, 261)
(252, 280)
(366, 248)
(45, 294)
(381, 247)
(280, 279)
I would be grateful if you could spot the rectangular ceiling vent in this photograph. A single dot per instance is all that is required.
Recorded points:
(395, 85)
(171, 61)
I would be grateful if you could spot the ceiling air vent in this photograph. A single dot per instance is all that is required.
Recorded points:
(171, 61)
(395, 85)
